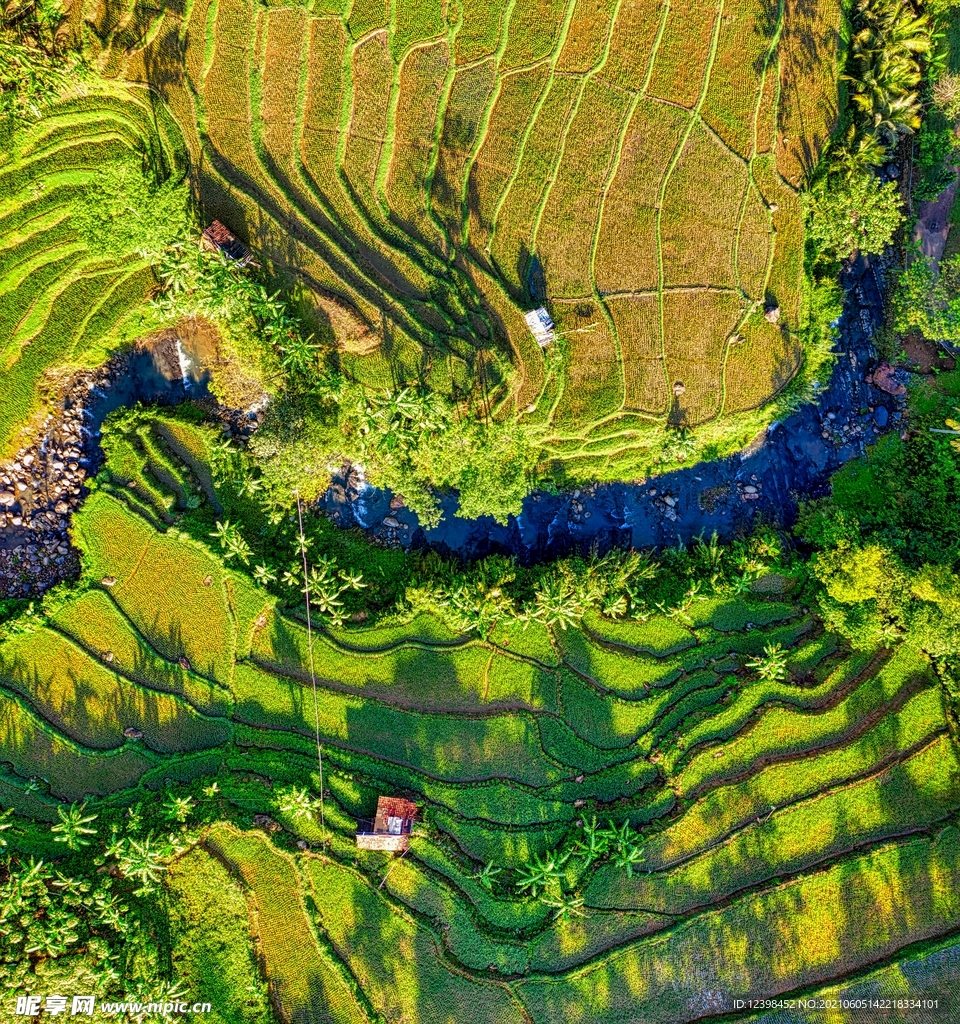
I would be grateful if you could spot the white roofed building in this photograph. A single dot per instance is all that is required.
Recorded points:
(541, 326)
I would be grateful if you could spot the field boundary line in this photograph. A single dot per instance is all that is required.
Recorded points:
(150, 646)
(437, 133)
(528, 129)
(483, 124)
(54, 735)
(20, 271)
(663, 937)
(872, 771)
(77, 332)
(586, 79)
(128, 676)
(655, 49)
(260, 187)
(771, 58)
(834, 698)
(610, 173)
(363, 691)
(85, 267)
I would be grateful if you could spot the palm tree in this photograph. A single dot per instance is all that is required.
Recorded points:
(297, 802)
(297, 356)
(71, 829)
(543, 871)
(772, 667)
(861, 150)
(895, 115)
(629, 857)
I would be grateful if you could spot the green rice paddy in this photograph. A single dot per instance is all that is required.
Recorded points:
(794, 833)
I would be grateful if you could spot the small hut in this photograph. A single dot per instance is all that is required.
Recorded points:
(218, 238)
(541, 326)
(391, 827)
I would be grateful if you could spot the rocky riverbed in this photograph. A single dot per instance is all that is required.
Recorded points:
(791, 460)
(44, 483)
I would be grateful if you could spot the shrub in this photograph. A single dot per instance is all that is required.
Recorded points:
(858, 214)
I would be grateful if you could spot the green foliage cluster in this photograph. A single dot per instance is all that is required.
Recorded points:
(129, 208)
(68, 930)
(410, 439)
(928, 301)
(936, 152)
(101, 902)
(35, 68)
(854, 214)
(883, 71)
(887, 541)
(850, 210)
(253, 527)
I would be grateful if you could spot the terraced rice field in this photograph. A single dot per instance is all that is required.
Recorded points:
(62, 305)
(434, 170)
(795, 832)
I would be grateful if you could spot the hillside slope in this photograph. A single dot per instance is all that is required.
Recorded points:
(432, 170)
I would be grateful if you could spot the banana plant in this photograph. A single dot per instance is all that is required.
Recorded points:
(772, 665)
(486, 875)
(142, 861)
(264, 575)
(565, 905)
(71, 829)
(593, 844)
(178, 808)
(297, 802)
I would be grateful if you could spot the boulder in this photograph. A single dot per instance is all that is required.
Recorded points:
(884, 379)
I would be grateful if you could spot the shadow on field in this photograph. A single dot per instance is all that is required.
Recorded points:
(806, 42)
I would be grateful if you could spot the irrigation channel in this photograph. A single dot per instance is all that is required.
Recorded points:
(793, 459)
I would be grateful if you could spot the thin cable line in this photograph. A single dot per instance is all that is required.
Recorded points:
(313, 677)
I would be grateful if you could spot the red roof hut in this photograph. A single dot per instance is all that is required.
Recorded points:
(218, 238)
(391, 827)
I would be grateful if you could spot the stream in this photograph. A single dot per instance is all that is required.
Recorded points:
(791, 460)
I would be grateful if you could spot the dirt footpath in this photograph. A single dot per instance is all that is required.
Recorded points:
(933, 224)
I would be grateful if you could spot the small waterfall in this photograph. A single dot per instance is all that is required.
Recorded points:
(184, 366)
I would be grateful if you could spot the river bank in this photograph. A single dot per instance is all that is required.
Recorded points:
(792, 460)
(44, 483)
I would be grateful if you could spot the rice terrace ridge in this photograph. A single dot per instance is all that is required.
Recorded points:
(285, 286)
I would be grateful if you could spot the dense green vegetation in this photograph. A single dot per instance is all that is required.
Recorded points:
(648, 782)
(639, 754)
